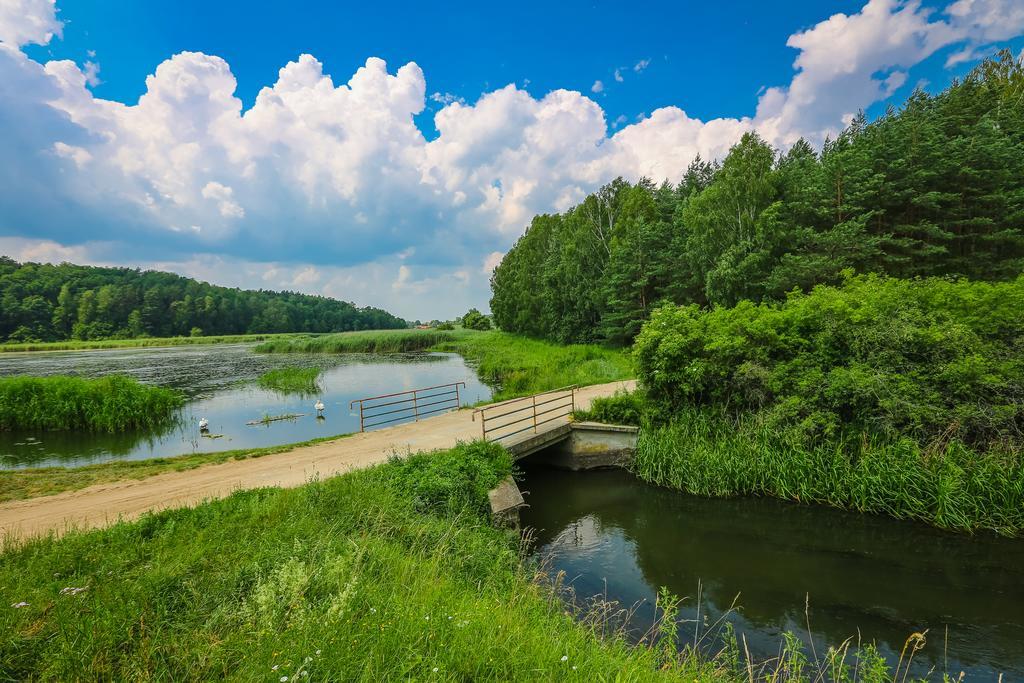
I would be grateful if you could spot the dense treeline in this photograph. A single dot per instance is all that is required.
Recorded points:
(934, 188)
(43, 302)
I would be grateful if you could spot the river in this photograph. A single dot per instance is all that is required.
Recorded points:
(619, 538)
(219, 382)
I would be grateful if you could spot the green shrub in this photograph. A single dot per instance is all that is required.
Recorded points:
(623, 408)
(107, 404)
(453, 480)
(931, 359)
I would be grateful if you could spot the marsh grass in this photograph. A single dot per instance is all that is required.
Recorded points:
(45, 481)
(948, 485)
(520, 365)
(352, 578)
(142, 342)
(382, 341)
(112, 404)
(292, 380)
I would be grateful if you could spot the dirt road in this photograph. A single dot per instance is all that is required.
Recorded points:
(106, 503)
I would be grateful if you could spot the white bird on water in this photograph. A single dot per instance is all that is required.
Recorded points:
(319, 407)
(204, 424)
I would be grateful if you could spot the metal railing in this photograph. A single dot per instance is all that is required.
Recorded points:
(412, 404)
(525, 414)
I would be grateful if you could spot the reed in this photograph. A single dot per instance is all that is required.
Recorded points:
(382, 341)
(292, 380)
(949, 485)
(111, 404)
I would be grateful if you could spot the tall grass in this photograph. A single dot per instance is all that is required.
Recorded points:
(948, 485)
(353, 578)
(106, 404)
(383, 341)
(292, 380)
(520, 365)
(78, 345)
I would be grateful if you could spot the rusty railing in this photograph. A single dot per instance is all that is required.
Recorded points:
(525, 414)
(405, 405)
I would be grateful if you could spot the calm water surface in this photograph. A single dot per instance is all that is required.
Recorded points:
(219, 382)
(612, 534)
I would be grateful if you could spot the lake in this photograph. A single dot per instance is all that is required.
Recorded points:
(219, 384)
(617, 537)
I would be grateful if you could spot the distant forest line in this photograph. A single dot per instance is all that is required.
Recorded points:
(934, 188)
(44, 302)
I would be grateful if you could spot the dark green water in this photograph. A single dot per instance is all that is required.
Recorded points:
(219, 382)
(618, 537)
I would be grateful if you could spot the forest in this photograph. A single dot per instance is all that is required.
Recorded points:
(932, 188)
(43, 302)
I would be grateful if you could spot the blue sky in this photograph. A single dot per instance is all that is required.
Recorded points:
(399, 182)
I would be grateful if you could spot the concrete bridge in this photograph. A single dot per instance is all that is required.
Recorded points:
(541, 426)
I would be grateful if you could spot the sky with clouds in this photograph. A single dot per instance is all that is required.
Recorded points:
(390, 158)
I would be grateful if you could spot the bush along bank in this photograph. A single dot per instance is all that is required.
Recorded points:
(901, 397)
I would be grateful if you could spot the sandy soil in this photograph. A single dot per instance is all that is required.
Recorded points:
(106, 503)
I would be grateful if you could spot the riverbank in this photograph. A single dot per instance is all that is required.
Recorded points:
(368, 575)
(143, 342)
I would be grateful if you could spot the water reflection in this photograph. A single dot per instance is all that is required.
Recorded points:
(219, 382)
(880, 577)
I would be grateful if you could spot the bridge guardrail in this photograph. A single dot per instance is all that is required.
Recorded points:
(416, 403)
(539, 409)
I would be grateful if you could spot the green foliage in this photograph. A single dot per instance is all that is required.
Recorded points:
(396, 341)
(519, 366)
(292, 380)
(42, 302)
(445, 326)
(475, 320)
(344, 579)
(935, 188)
(707, 452)
(623, 408)
(931, 359)
(449, 482)
(107, 404)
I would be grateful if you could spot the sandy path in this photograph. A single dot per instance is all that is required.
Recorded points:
(103, 504)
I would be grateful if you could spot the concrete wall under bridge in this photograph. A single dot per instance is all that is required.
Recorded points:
(574, 446)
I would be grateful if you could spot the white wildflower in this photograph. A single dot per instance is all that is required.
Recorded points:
(565, 658)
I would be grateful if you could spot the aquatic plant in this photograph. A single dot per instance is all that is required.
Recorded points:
(115, 403)
(383, 341)
(708, 452)
(292, 380)
(139, 342)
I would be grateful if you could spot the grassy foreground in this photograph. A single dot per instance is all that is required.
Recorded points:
(104, 404)
(140, 342)
(46, 481)
(389, 573)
